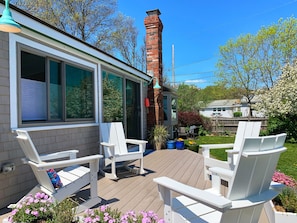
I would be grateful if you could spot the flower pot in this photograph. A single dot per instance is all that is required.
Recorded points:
(171, 144)
(180, 144)
(277, 216)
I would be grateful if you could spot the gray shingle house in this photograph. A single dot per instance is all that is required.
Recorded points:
(51, 84)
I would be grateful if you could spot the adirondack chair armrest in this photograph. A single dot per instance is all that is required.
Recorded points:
(231, 156)
(255, 200)
(166, 185)
(217, 146)
(276, 186)
(107, 144)
(136, 141)
(66, 163)
(232, 151)
(205, 148)
(71, 154)
(110, 147)
(267, 152)
(141, 143)
(221, 172)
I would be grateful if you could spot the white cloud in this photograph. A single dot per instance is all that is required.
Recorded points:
(195, 81)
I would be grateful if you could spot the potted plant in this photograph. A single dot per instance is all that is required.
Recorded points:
(192, 145)
(283, 208)
(180, 144)
(158, 136)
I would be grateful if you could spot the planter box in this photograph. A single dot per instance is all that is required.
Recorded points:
(171, 144)
(277, 216)
(180, 144)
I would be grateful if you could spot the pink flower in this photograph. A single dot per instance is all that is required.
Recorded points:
(280, 177)
(103, 208)
(35, 213)
(105, 214)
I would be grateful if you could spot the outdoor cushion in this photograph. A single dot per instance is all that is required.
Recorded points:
(55, 179)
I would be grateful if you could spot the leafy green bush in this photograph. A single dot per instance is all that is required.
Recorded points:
(237, 114)
(280, 124)
(288, 198)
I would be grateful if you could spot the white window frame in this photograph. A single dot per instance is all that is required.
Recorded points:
(14, 40)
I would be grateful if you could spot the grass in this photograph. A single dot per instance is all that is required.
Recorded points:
(286, 164)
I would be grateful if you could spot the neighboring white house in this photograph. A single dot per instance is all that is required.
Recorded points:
(226, 108)
(221, 108)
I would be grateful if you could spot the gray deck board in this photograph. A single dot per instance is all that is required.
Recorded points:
(137, 192)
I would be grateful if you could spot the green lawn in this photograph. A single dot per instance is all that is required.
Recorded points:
(287, 163)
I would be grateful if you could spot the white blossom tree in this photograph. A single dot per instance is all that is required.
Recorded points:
(281, 99)
(251, 62)
(280, 103)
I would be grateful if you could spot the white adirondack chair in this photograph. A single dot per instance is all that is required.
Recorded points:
(74, 177)
(244, 129)
(115, 150)
(249, 188)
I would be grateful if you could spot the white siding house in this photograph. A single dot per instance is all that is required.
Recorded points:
(221, 108)
(226, 108)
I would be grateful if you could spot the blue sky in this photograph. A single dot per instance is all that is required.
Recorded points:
(198, 28)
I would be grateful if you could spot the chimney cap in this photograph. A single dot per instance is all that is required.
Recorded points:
(153, 12)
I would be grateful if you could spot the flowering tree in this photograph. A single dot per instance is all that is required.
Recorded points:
(281, 99)
(251, 62)
(280, 102)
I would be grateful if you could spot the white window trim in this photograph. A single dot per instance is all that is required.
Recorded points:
(13, 54)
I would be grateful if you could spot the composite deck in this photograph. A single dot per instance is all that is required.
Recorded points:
(134, 192)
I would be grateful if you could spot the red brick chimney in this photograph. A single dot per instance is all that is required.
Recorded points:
(154, 66)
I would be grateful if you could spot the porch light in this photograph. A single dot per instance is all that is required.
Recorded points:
(7, 24)
(156, 86)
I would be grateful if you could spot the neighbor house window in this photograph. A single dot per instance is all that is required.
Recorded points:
(54, 90)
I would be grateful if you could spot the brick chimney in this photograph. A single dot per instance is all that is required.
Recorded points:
(154, 66)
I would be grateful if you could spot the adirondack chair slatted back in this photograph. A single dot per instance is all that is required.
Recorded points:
(28, 146)
(253, 174)
(113, 133)
(32, 155)
(246, 129)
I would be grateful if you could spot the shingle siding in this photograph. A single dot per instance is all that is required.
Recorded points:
(16, 184)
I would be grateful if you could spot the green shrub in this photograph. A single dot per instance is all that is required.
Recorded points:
(282, 124)
(237, 114)
(288, 199)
